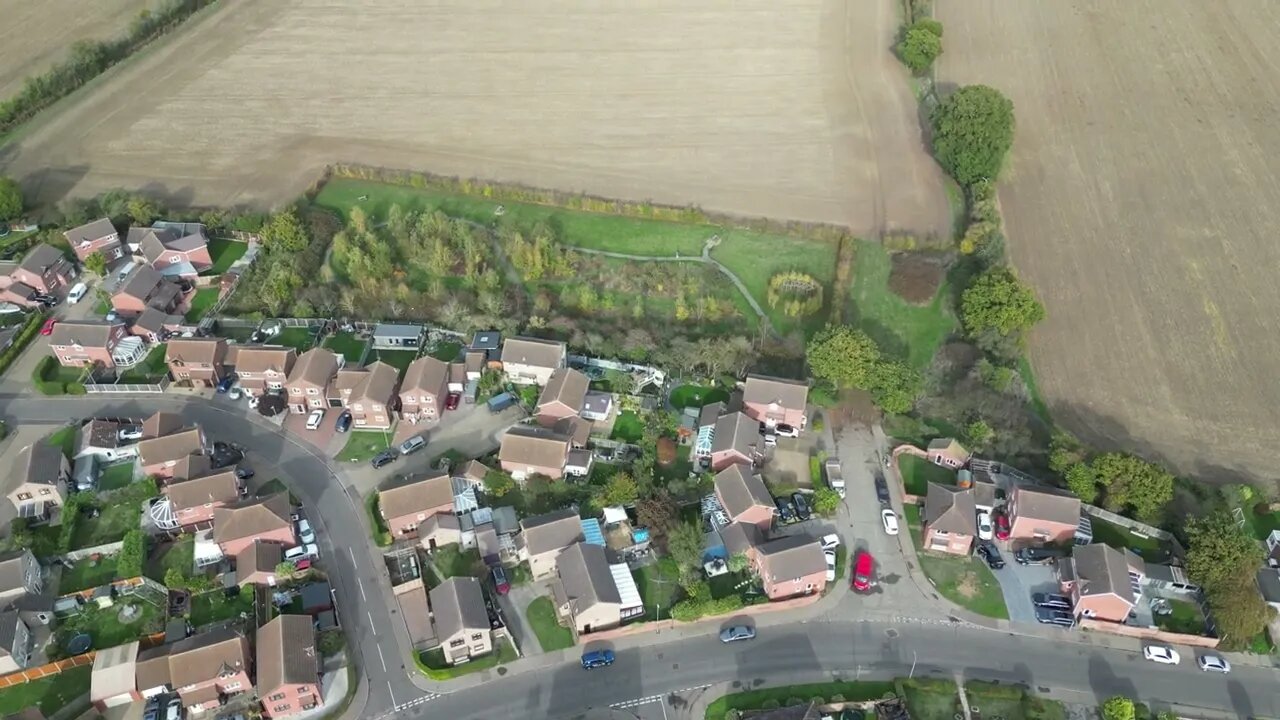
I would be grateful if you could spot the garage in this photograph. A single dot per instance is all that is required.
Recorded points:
(113, 682)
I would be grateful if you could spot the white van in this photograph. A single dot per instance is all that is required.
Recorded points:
(124, 271)
(77, 292)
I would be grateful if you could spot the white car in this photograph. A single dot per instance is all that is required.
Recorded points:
(985, 530)
(314, 419)
(305, 533)
(1213, 663)
(133, 432)
(234, 392)
(253, 402)
(301, 551)
(830, 542)
(1162, 654)
(830, 555)
(890, 521)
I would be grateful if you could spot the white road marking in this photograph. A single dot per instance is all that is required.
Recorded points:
(656, 698)
(356, 569)
(383, 659)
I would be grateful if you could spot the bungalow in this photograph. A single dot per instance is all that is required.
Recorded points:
(528, 451)
(288, 666)
(205, 670)
(411, 505)
(146, 288)
(530, 361)
(596, 406)
(744, 497)
(43, 473)
(1042, 515)
(736, 439)
(256, 564)
(372, 399)
(1103, 582)
(159, 455)
(309, 382)
(585, 592)
(563, 396)
(194, 501)
(81, 343)
(260, 368)
(99, 236)
(790, 566)
(198, 361)
(176, 249)
(422, 392)
(544, 537)
(235, 527)
(950, 519)
(774, 401)
(947, 453)
(462, 624)
(392, 336)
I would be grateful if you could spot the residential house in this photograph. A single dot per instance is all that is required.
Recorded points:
(15, 642)
(43, 472)
(256, 563)
(584, 591)
(950, 519)
(194, 501)
(393, 336)
(176, 249)
(736, 439)
(704, 429)
(155, 325)
(744, 497)
(260, 368)
(158, 455)
(288, 666)
(191, 466)
(99, 236)
(1103, 582)
(774, 401)
(101, 439)
(44, 270)
(462, 624)
(114, 679)
(372, 398)
(489, 344)
(263, 520)
(161, 423)
(1042, 515)
(790, 566)
(530, 361)
(81, 343)
(526, 451)
(146, 288)
(544, 537)
(596, 406)
(421, 507)
(947, 452)
(563, 396)
(205, 670)
(22, 588)
(198, 361)
(422, 392)
(309, 382)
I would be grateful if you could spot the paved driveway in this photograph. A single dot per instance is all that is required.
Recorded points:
(1017, 582)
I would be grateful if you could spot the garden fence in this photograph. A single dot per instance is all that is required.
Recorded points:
(44, 671)
(110, 548)
(126, 388)
(1137, 528)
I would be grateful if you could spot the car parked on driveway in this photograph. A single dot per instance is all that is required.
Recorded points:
(344, 422)
(305, 533)
(985, 529)
(384, 458)
(314, 419)
(225, 383)
(500, 582)
(785, 512)
(988, 552)
(1050, 616)
(889, 519)
(736, 633)
(830, 555)
(1051, 600)
(1002, 525)
(596, 659)
(412, 445)
(830, 542)
(451, 400)
(864, 568)
(1163, 654)
(1038, 556)
(801, 503)
(786, 430)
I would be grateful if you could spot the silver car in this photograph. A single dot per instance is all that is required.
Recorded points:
(737, 632)
(1214, 663)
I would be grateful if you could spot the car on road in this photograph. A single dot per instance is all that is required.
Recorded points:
(451, 400)
(1002, 525)
(76, 292)
(882, 490)
(786, 430)
(305, 533)
(1050, 616)
(1163, 654)
(1210, 662)
(1038, 556)
(864, 568)
(830, 542)
(314, 419)
(412, 445)
(804, 510)
(225, 383)
(785, 512)
(302, 551)
(889, 519)
(130, 433)
(736, 633)
(384, 458)
(830, 556)
(344, 422)
(500, 582)
(985, 529)
(235, 392)
(989, 553)
(1051, 600)
(47, 328)
(597, 658)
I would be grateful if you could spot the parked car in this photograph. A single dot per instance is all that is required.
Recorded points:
(830, 542)
(986, 530)
(1163, 654)
(235, 392)
(152, 709)
(384, 458)
(412, 445)
(736, 633)
(451, 400)
(882, 490)
(253, 402)
(45, 300)
(785, 513)
(47, 328)
(76, 292)
(864, 567)
(804, 510)
(245, 473)
(830, 555)
(597, 658)
(1050, 616)
(303, 564)
(1002, 525)
(344, 422)
(225, 383)
(130, 433)
(173, 711)
(500, 582)
(1210, 662)
(770, 440)
(305, 533)
(1052, 600)
(786, 430)
(889, 519)
(314, 419)
(989, 553)
(1038, 556)
(302, 551)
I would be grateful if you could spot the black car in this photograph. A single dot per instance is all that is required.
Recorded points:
(1038, 556)
(991, 554)
(384, 458)
(344, 422)
(1050, 616)
(804, 510)
(785, 512)
(882, 490)
(1051, 600)
(244, 473)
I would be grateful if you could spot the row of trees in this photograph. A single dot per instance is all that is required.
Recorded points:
(921, 44)
(1223, 559)
(845, 357)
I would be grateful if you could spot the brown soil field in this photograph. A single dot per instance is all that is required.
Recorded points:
(1142, 202)
(794, 111)
(35, 35)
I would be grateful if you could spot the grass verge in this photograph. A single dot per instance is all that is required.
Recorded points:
(432, 664)
(363, 445)
(552, 636)
(965, 581)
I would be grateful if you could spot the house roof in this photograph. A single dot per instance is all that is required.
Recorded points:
(170, 447)
(192, 466)
(85, 333)
(287, 652)
(160, 424)
(1102, 570)
(195, 350)
(765, 390)
(792, 556)
(261, 358)
(396, 330)
(504, 520)
(740, 490)
(252, 517)
(12, 576)
(40, 463)
(566, 386)
(532, 351)
(950, 509)
(948, 446)
(486, 340)
(97, 433)
(474, 471)
(710, 413)
(533, 447)
(142, 282)
(585, 576)
(597, 402)
(222, 487)
(458, 607)
(154, 320)
(740, 537)
(378, 384)
(90, 231)
(425, 375)
(152, 667)
(415, 494)
(40, 258)
(552, 531)
(155, 242)
(1269, 584)
(577, 429)
(984, 493)
(258, 557)
(316, 366)
(114, 671)
(21, 290)
(1048, 504)
(9, 620)
(736, 431)
(349, 379)
(415, 611)
(206, 656)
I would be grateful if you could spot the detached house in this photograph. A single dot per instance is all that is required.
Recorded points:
(310, 381)
(176, 249)
(1040, 516)
(736, 438)
(15, 642)
(235, 527)
(288, 666)
(744, 497)
(146, 288)
(544, 537)
(462, 624)
(1103, 582)
(43, 472)
(421, 507)
(22, 588)
(260, 368)
(205, 670)
(950, 519)
(44, 270)
(947, 453)
(529, 361)
(774, 401)
(586, 592)
(790, 566)
(194, 501)
(99, 236)
(533, 451)
(198, 361)
(88, 343)
(563, 397)
(422, 392)
(373, 396)
(159, 456)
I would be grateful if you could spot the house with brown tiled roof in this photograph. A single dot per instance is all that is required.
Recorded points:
(198, 361)
(947, 452)
(1103, 582)
(262, 367)
(194, 501)
(410, 506)
(44, 269)
(775, 401)
(161, 423)
(544, 537)
(42, 472)
(563, 396)
(176, 249)
(791, 565)
(81, 343)
(154, 325)
(263, 520)
(585, 591)
(372, 398)
(310, 381)
(205, 670)
(146, 287)
(530, 361)
(950, 520)
(288, 666)
(744, 497)
(736, 438)
(422, 391)
(159, 455)
(256, 564)
(98, 236)
(1042, 515)
(461, 623)
(526, 451)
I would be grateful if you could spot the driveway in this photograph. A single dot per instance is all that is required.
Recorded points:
(513, 606)
(1017, 582)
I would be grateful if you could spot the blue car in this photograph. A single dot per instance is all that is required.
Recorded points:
(225, 383)
(597, 658)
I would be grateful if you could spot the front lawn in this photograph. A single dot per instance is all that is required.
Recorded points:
(851, 691)
(116, 476)
(362, 445)
(201, 302)
(150, 370)
(917, 473)
(49, 694)
(628, 427)
(432, 663)
(87, 574)
(911, 332)
(398, 359)
(215, 606)
(224, 254)
(965, 581)
(659, 585)
(348, 345)
(697, 396)
(1011, 702)
(552, 636)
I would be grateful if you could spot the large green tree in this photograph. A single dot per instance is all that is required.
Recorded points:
(894, 386)
(685, 545)
(999, 302)
(843, 356)
(919, 47)
(1131, 482)
(1239, 613)
(10, 199)
(620, 490)
(972, 132)
(284, 231)
(1118, 708)
(1219, 553)
(96, 264)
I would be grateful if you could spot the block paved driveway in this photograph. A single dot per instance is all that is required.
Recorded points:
(1017, 582)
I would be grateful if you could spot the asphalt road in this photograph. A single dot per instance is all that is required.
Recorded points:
(802, 652)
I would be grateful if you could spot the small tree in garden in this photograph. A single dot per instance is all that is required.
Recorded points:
(96, 264)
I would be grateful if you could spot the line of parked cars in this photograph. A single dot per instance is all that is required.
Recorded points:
(390, 455)
(1053, 609)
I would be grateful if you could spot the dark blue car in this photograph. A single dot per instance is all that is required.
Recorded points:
(225, 383)
(597, 658)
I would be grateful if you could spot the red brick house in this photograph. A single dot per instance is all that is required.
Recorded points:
(176, 249)
(790, 566)
(198, 361)
(563, 396)
(235, 527)
(1102, 581)
(256, 563)
(372, 398)
(146, 288)
(950, 520)
(736, 438)
(288, 666)
(160, 456)
(744, 497)
(206, 670)
(309, 383)
(531, 361)
(43, 472)
(44, 270)
(422, 392)
(421, 507)
(262, 367)
(194, 501)
(1042, 516)
(80, 343)
(774, 401)
(526, 451)
(99, 236)
(947, 453)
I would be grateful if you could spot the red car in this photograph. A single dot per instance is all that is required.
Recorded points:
(451, 401)
(47, 329)
(303, 564)
(1002, 526)
(500, 582)
(864, 567)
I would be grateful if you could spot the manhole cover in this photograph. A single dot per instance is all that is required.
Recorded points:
(891, 633)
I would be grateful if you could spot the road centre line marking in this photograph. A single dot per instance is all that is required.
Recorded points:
(383, 659)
